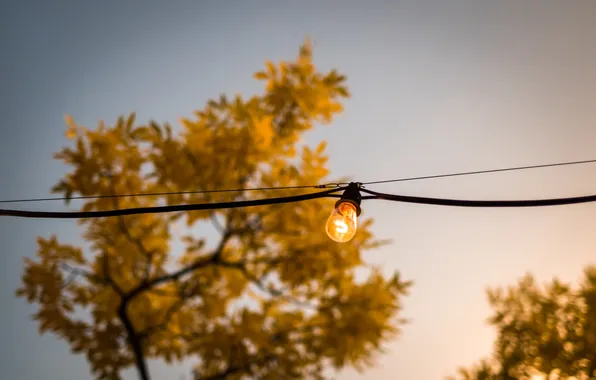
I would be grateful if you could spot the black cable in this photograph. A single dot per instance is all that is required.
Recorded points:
(174, 208)
(468, 203)
(480, 172)
(298, 198)
(326, 186)
(303, 197)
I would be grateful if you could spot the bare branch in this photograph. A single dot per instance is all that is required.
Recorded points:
(176, 275)
(134, 341)
(275, 339)
(241, 266)
(107, 278)
(75, 272)
(231, 370)
(216, 224)
(79, 272)
(167, 317)
(193, 160)
(69, 280)
(163, 293)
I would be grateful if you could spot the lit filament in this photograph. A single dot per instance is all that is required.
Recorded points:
(342, 223)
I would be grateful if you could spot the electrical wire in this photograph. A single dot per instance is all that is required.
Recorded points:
(325, 186)
(330, 193)
(299, 198)
(478, 203)
(480, 172)
(166, 209)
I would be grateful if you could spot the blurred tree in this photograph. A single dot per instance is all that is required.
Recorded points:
(549, 331)
(274, 298)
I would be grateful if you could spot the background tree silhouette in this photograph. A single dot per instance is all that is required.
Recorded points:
(548, 331)
(273, 298)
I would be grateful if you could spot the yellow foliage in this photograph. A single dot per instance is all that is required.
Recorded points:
(71, 128)
(131, 294)
(548, 330)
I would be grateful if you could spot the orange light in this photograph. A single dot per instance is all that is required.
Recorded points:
(342, 223)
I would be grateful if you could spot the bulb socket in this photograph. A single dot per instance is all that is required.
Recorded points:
(351, 195)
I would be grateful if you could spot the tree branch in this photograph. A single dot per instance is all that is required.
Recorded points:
(80, 272)
(107, 278)
(275, 339)
(231, 370)
(176, 275)
(134, 341)
(69, 280)
(166, 320)
(75, 272)
(133, 240)
(168, 315)
(133, 337)
(216, 223)
(241, 266)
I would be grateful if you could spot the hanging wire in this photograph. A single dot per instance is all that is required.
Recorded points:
(173, 208)
(26, 200)
(299, 198)
(478, 203)
(324, 186)
(330, 193)
(480, 172)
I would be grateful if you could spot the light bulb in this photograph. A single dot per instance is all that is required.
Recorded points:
(342, 223)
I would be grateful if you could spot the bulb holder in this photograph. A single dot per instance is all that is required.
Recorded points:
(351, 195)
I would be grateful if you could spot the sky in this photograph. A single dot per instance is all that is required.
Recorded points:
(438, 87)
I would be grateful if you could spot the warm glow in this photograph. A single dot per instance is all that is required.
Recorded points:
(539, 376)
(342, 223)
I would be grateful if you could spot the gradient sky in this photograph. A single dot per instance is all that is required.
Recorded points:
(438, 87)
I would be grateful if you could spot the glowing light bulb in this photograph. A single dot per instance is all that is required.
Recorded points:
(342, 223)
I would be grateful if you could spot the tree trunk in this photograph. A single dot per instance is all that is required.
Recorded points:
(135, 343)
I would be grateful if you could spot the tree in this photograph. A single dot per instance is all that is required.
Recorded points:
(274, 298)
(542, 331)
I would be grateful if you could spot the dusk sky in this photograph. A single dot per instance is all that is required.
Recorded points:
(438, 87)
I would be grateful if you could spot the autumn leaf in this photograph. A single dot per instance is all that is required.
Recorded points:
(271, 298)
(545, 330)
(71, 127)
